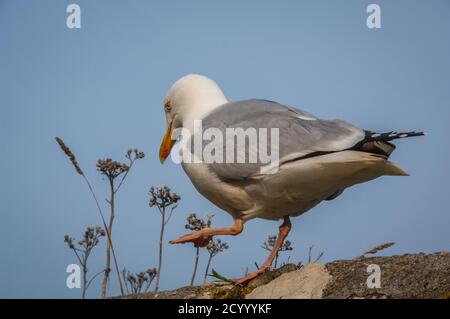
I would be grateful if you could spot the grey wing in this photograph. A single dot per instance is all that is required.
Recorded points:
(299, 135)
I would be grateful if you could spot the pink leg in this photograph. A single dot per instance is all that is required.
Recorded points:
(285, 228)
(202, 237)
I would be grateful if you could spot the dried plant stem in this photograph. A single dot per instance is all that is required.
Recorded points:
(310, 260)
(196, 224)
(83, 296)
(111, 169)
(92, 279)
(214, 247)
(161, 238)
(86, 245)
(83, 263)
(108, 246)
(108, 234)
(207, 269)
(162, 198)
(197, 255)
(124, 277)
(309, 254)
(164, 222)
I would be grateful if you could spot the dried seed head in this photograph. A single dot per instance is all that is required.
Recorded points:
(271, 241)
(139, 154)
(162, 197)
(216, 246)
(69, 241)
(151, 271)
(136, 281)
(287, 246)
(379, 248)
(111, 168)
(194, 223)
(89, 240)
(69, 154)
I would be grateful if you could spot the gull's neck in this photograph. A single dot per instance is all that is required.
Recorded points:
(198, 108)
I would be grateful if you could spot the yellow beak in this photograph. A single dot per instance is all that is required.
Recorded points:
(166, 144)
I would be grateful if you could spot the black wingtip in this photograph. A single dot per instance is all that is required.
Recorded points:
(389, 136)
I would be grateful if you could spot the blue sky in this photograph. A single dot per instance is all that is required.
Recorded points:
(101, 89)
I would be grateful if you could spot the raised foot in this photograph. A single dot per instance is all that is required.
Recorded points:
(198, 238)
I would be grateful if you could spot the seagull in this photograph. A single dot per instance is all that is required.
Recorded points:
(317, 159)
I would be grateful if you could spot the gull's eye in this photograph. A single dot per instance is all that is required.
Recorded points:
(167, 105)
